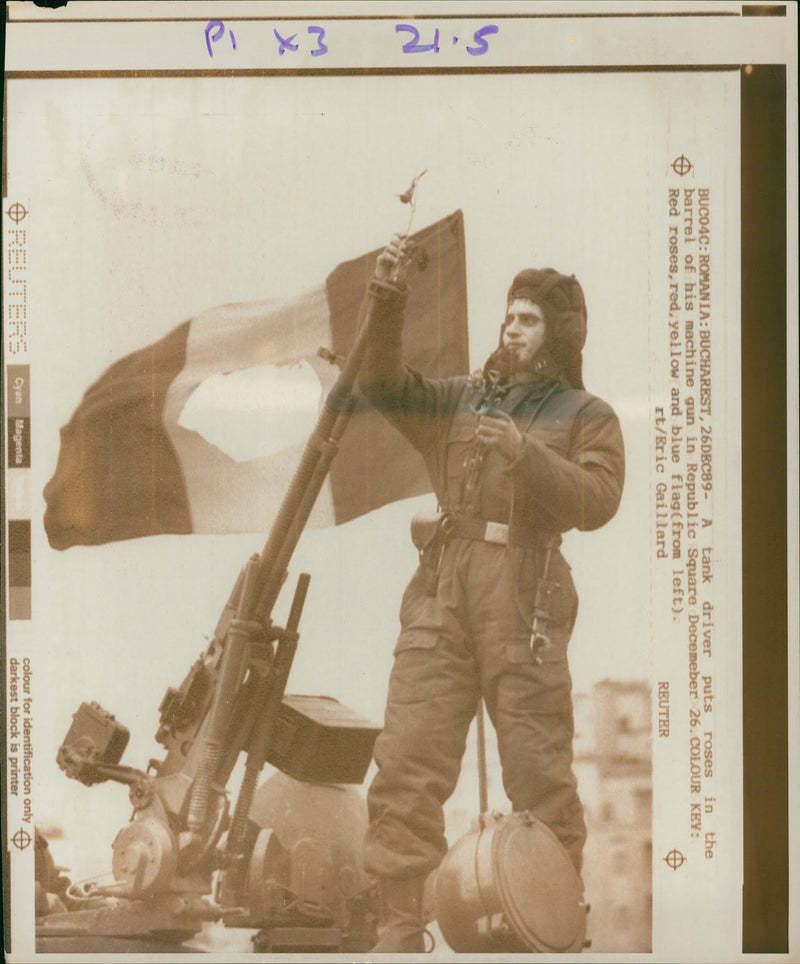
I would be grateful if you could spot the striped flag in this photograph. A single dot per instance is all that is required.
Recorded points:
(201, 431)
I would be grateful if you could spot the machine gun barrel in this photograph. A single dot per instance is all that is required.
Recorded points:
(315, 462)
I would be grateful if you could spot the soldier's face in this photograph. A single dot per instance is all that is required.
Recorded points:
(524, 333)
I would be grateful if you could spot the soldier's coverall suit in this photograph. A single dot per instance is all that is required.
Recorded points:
(466, 616)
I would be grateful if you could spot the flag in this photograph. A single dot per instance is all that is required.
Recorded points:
(201, 431)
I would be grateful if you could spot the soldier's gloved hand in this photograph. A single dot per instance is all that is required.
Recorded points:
(497, 430)
(390, 257)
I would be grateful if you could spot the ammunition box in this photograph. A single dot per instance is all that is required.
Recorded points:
(319, 740)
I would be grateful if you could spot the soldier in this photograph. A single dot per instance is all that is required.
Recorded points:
(518, 454)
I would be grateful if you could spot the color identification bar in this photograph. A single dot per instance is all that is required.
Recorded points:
(19, 569)
(18, 407)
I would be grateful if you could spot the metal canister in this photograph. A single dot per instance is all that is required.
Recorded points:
(509, 886)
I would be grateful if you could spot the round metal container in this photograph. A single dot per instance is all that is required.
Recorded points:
(312, 843)
(333, 814)
(510, 887)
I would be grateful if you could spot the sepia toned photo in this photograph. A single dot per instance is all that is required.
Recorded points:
(378, 502)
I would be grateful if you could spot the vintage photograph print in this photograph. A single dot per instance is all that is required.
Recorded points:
(379, 506)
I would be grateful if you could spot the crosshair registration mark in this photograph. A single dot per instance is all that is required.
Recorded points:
(21, 839)
(17, 212)
(674, 859)
(682, 165)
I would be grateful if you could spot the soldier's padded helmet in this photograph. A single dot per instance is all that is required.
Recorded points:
(561, 299)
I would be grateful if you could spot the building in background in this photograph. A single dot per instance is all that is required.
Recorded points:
(613, 763)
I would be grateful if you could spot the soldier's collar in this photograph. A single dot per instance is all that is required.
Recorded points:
(543, 370)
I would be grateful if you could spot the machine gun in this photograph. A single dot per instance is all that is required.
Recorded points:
(299, 880)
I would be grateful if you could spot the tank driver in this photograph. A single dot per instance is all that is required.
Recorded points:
(518, 454)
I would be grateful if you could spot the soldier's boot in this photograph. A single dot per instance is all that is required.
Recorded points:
(401, 927)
